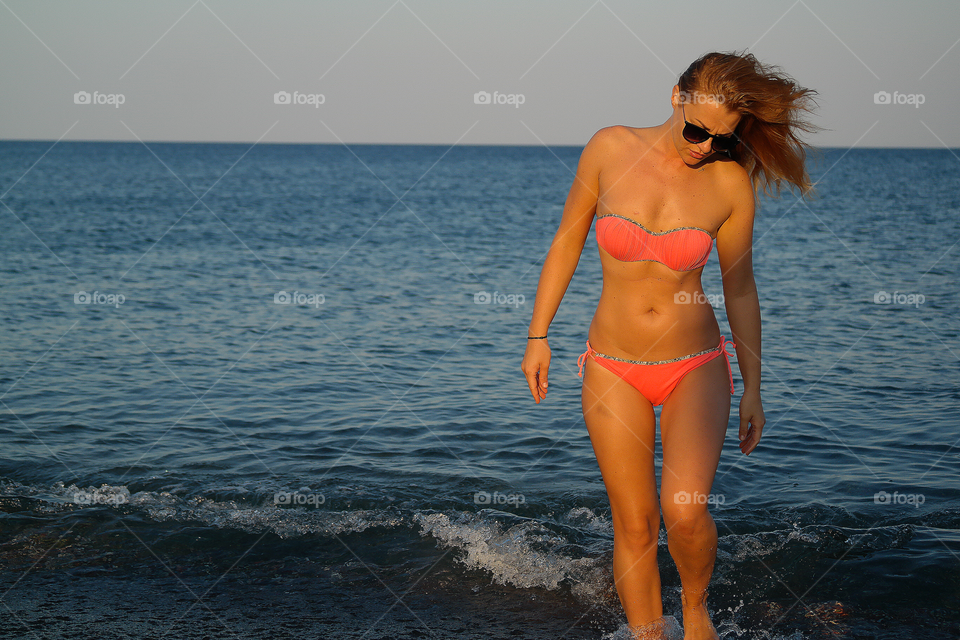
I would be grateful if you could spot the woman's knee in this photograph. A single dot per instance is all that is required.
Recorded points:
(638, 530)
(686, 520)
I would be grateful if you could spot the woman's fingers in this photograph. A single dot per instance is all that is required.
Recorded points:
(534, 387)
(751, 421)
(750, 431)
(535, 365)
(542, 378)
(532, 373)
(538, 383)
(744, 428)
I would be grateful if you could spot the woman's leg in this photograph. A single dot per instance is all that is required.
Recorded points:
(623, 431)
(693, 424)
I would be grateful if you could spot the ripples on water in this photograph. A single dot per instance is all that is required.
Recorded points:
(396, 411)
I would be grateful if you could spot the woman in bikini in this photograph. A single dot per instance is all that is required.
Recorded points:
(661, 196)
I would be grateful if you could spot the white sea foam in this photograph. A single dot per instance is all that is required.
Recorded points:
(586, 519)
(518, 555)
(164, 506)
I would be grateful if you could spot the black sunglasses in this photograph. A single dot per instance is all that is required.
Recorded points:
(696, 135)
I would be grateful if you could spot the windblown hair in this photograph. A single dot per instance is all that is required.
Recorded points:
(772, 108)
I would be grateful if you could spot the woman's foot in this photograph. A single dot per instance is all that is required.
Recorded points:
(696, 619)
(665, 628)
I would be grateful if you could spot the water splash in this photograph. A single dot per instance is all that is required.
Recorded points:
(665, 628)
(519, 555)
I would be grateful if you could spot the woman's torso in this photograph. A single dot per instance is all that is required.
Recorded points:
(648, 311)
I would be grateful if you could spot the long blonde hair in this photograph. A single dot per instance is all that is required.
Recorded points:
(772, 107)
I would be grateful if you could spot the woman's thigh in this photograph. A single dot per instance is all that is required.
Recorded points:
(622, 430)
(693, 424)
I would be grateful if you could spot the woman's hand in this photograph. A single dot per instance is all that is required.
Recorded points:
(536, 362)
(751, 420)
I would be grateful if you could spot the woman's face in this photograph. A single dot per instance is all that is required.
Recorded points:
(706, 112)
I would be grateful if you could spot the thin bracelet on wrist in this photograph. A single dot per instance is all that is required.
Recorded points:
(536, 337)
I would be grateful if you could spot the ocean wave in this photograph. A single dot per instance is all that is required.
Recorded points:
(523, 555)
(164, 506)
(570, 551)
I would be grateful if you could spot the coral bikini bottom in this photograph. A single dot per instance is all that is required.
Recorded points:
(657, 380)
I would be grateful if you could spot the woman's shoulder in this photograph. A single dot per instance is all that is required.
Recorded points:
(621, 134)
(732, 174)
(617, 139)
(733, 180)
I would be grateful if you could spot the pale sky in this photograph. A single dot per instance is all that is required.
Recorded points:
(406, 71)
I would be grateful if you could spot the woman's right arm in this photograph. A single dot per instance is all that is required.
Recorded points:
(562, 259)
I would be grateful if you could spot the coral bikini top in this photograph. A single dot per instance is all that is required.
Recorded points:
(681, 249)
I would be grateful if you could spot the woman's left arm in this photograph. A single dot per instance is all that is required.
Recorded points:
(735, 251)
